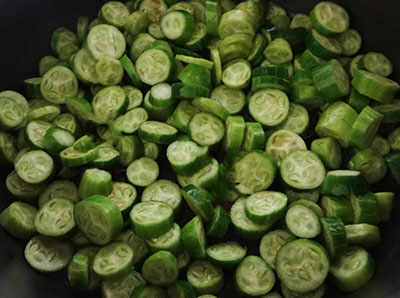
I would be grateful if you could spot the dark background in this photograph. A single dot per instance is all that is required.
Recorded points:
(25, 29)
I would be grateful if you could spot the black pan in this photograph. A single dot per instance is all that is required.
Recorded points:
(24, 38)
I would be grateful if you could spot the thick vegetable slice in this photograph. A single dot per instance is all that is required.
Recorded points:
(193, 238)
(329, 18)
(254, 277)
(47, 254)
(18, 220)
(99, 219)
(269, 107)
(300, 256)
(151, 219)
(55, 218)
(113, 260)
(161, 268)
(353, 270)
(302, 169)
(205, 277)
(271, 243)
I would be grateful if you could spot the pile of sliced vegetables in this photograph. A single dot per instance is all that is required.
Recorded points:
(225, 93)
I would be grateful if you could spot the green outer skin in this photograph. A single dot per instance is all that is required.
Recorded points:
(19, 224)
(365, 128)
(393, 162)
(182, 115)
(223, 261)
(275, 210)
(309, 204)
(376, 87)
(338, 207)
(190, 239)
(152, 229)
(8, 147)
(107, 157)
(165, 191)
(78, 271)
(272, 70)
(130, 148)
(170, 241)
(234, 133)
(53, 145)
(107, 210)
(199, 200)
(269, 82)
(156, 264)
(156, 137)
(194, 164)
(95, 182)
(254, 137)
(144, 291)
(364, 235)
(334, 235)
(343, 185)
(366, 209)
(248, 274)
(317, 293)
(371, 165)
(309, 195)
(390, 111)
(209, 105)
(308, 60)
(181, 289)
(336, 122)
(219, 224)
(195, 75)
(213, 14)
(318, 49)
(217, 67)
(348, 279)
(326, 80)
(290, 251)
(308, 96)
(385, 201)
(329, 152)
(73, 158)
(358, 101)
(243, 226)
(129, 67)
(187, 30)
